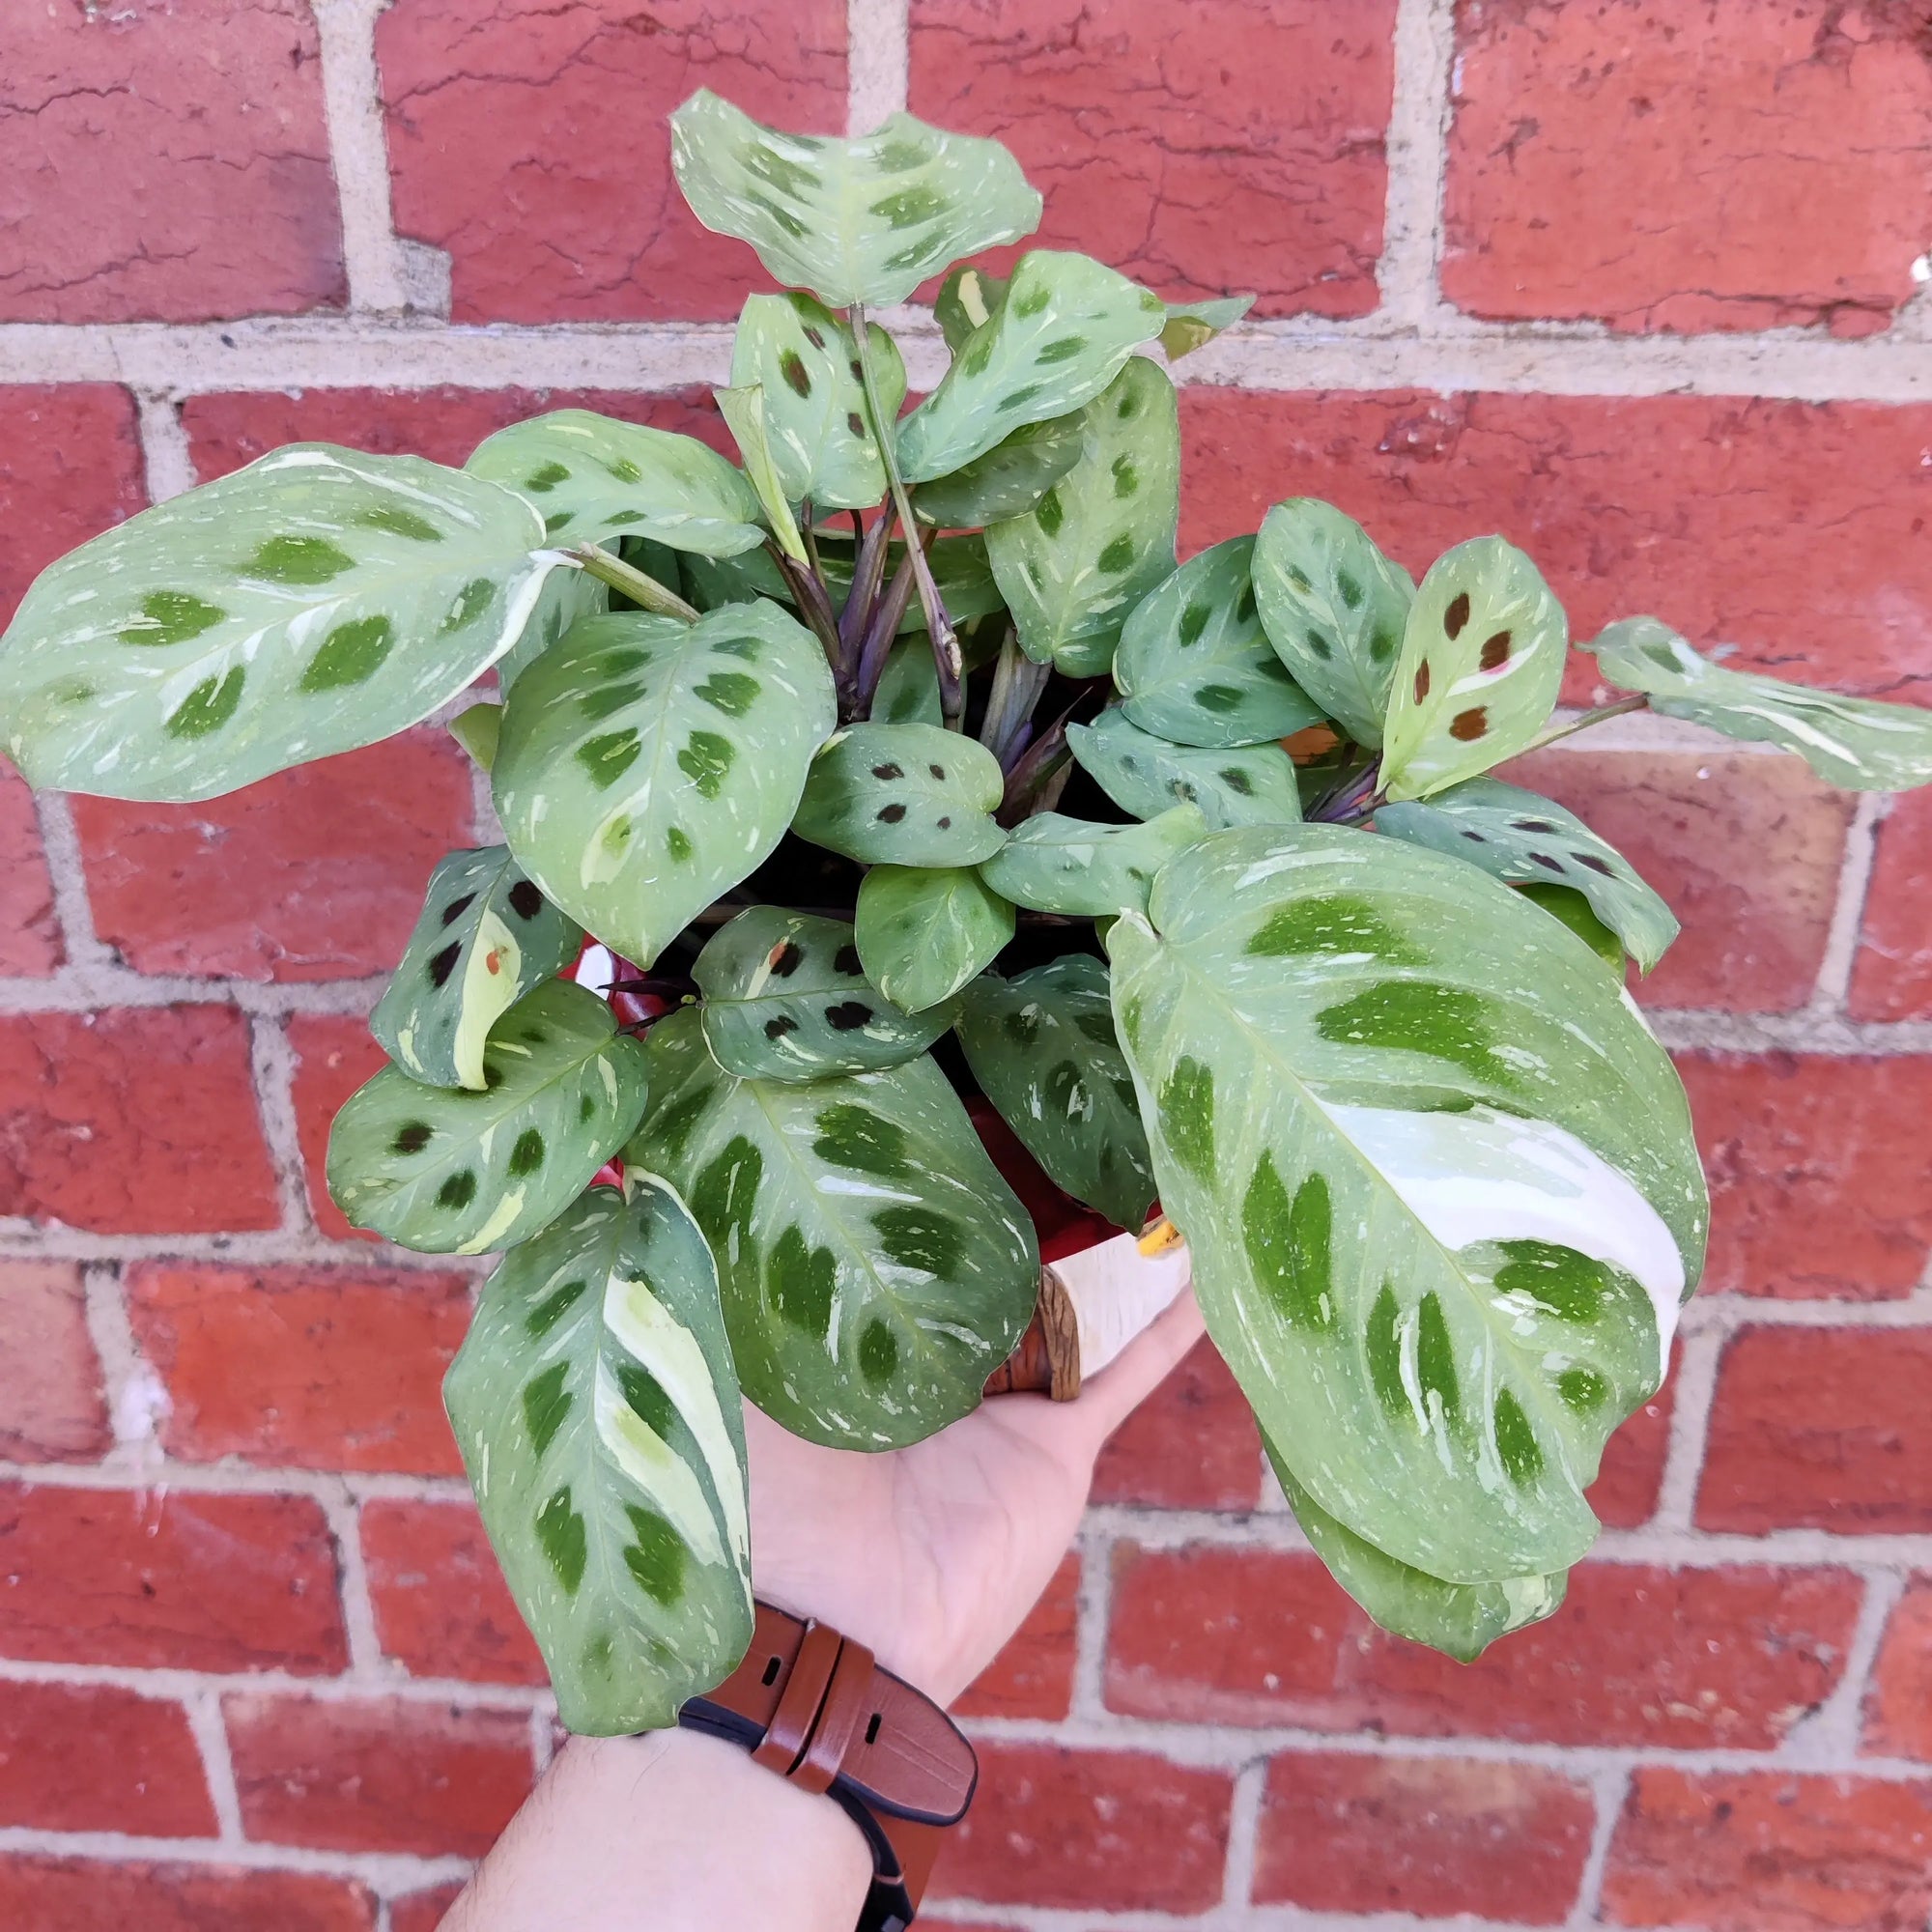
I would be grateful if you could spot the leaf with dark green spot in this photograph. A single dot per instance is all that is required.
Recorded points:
(1042, 1046)
(1146, 776)
(598, 1415)
(1189, 325)
(1054, 864)
(903, 795)
(486, 936)
(1007, 481)
(967, 300)
(568, 595)
(640, 774)
(450, 1171)
(875, 1267)
(923, 932)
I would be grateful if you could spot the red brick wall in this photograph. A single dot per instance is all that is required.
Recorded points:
(1630, 281)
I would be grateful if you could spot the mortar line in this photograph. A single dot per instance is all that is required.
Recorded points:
(368, 1666)
(210, 1730)
(137, 1398)
(1419, 112)
(1610, 1789)
(60, 845)
(272, 1072)
(878, 36)
(392, 1874)
(1694, 1386)
(511, 1700)
(358, 148)
(167, 463)
(1848, 906)
(1830, 1736)
(1094, 1606)
(1244, 1812)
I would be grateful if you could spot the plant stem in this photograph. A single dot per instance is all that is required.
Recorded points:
(632, 582)
(815, 606)
(1017, 683)
(1584, 720)
(868, 572)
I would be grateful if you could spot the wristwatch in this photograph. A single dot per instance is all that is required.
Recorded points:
(814, 1706)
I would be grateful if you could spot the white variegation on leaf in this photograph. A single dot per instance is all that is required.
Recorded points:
(863, 220)
(486, 936)
(1859, 743)
(903, 795)
(1073, 866)
(314, 602)
(1437, 1176)
(875, 1267)
(451, 1171)
(744, 414)
(968, 298)
(598, 1415)
(1251, 784)
(785, 998)
(594, 479)
(647, 765)
(1482, 660)
(923, 931)
(1195, 665)
(568, 595)
(1103, 536)
(1042, 1046)
(1066, 326)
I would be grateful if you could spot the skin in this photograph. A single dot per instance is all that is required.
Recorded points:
(930, 1555)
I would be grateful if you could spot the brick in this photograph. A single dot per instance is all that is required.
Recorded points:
(1898, 1706)
(93, 1757)
(1033, 1676)
(52, 1407)
(45, 1895)
(206, 116)
(69, 466)
(334, 1055)
(1729, 1656)
(1891, 973)
(1632, 1472)
(1433, 1836)
(1246, 153)
(171, 1581)
(505, 152)
(423, 1911)
(30, 935)
(315, 873)
(138, 1120)
(1658, 166)
(1814, 1193)
(1825, 1428)
(1794, 530)
(443, 1609)
(1097, 1830)
(1770, 1851)
(377, 1775)
(1753, 935)
(1192, 1445)
(300, 1367)
(444, 424)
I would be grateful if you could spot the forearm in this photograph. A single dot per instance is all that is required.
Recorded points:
(674, 1832)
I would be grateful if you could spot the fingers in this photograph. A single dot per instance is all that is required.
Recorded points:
(1141, 1367)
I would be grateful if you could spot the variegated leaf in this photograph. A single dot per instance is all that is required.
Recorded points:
(1526, 839)
(486, 937)
(863, 220)
(1103, 536)
(315, 601)
(744, 414)
(1054, 864)
(1482, 661)
(1573, 910)
(923, 932)
(785, 998)
(1856, 742)
(1435, 1175)
(967, 300)
(1334, 607)
(1042, 1046)
(647, 765)
(1189, 325)
(1146, 776)
(1196, 668)
(568, 594)
(594, 479)
(875, 1267)
(903, 795)
(454, 1172)
(1060, 337)
(1007, 481)
(598, 1415)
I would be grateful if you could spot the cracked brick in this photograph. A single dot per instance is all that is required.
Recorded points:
(30, 936)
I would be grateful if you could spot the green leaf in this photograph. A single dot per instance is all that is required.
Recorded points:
(1334, 607)
(648, 765)
(476, 730)
(923, 932)
(1146, 776)
(802, 357)
(1060, 337)
(592, 479)
(1195, 665)
(1482, 660)
(903, 795)
(598, 1415)
(785, 998)
(875, 1267)
(1061, 865)
(1573, 909)
(908, 689)
(958, 566)
(453, 1171)
(568, 595)
(1102, 537)
(863, 220)
(486, 937)
(1042, 1048)
(1858, 743)
(1189, 325)
(1459, 1619)
(1008, 481)
(712, 581)
(315, 601)
(744, 414)
(1437, 1178)
(1521, 836)
(967, 300)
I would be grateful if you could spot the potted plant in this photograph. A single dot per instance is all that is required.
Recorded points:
(897, 767)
